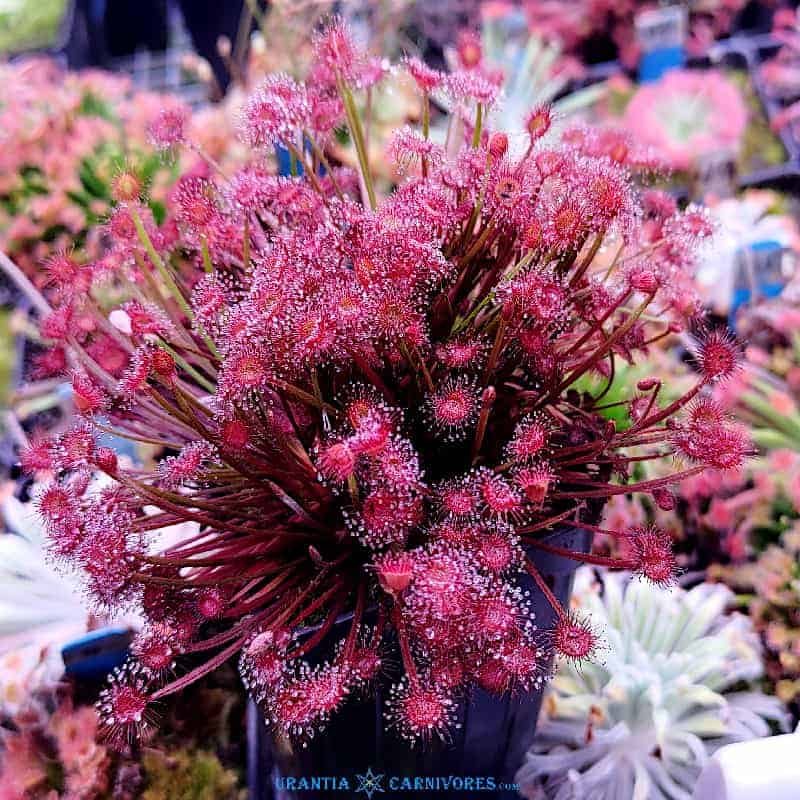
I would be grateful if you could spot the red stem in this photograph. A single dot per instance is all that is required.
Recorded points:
(198, 672)
(405, 648)
(531, 569)
(643, 486)
(584, 558)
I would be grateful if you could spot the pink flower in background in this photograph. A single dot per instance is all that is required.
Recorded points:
(728, 392)
(686, 115)
(621, 513)
(782, 403)
(784, 462)
(23, 767)
(43, 750)
(700, 486)
(787, 319)
(765, 485)
(755, 355)
(720, 515)
(735, 543)
(793, 379)
(553, 19)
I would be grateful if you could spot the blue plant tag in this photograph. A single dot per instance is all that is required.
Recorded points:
(285, 165)
(661, 35)
(759, 268)
(94, 655)
(122, 447)
(654, 64)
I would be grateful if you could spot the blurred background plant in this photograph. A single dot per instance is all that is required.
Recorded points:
(30, 24)
(33, 631)
(769, 588)
(687, 115)
(730, 270)
(531, 70)
(52, 747)
(602, 30)
(65, 137)
(780, 72)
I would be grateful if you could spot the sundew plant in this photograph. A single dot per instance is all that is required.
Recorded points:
(367, 404)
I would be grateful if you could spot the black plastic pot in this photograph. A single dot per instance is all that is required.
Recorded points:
(494, 735)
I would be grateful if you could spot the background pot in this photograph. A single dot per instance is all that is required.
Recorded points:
(494, 735)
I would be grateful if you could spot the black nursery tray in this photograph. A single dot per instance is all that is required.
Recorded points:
(761, 49)
(737, 55)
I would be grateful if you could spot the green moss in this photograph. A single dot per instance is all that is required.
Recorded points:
(188, 775)
(7, 352)
(94, 106)
(30, 24)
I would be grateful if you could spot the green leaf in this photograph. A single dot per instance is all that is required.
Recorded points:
(79, 198)
(769, 439)
(94, 106)
(159, 211)
(53, 232)
(92, 184)
(149, 167)
(7, 355)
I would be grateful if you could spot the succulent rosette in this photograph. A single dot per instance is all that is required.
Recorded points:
(674, 688)
(367, 404)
